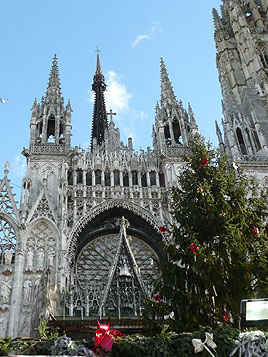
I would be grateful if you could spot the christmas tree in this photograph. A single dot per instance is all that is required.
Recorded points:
(218, 247)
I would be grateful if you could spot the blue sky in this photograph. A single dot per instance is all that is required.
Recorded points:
(132, 36)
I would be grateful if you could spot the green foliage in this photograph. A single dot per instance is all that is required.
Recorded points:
(171, 344)
(44, 332)
(30, 347)
(165, 343)
(216, 208)
(4, 347)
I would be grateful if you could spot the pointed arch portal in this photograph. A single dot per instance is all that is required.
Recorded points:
(103, 258)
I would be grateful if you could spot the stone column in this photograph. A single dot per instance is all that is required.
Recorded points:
(112, 178)
(157, 179)
(121, 178)
(102, 179)
(139, 179)
(130, 184)
(74, 178)
(148, 179)
(16, 296)
(84, 178)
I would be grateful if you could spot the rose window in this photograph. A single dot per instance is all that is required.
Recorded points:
(96, 258)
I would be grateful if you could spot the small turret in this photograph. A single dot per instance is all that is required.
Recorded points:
(51, 122)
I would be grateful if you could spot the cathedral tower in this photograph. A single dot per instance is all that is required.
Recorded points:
(241, 36)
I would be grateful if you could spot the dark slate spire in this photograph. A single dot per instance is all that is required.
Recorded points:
(99, 121)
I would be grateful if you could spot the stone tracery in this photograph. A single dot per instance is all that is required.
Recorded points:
(7, 240)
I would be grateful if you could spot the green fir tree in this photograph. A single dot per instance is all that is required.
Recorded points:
(218, 253)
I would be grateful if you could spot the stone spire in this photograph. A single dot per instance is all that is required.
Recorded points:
(99, 121)
(53, 93)
(167, 94)
(216, 19)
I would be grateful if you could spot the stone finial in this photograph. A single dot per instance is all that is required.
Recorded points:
(7, 167)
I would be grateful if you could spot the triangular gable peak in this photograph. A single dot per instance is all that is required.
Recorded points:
(8, 205)
(42, 208)
(124, 291)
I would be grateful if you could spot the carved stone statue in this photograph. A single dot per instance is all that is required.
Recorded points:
(50, 259)
(8, 257)
(27, 291)
(36, 286)
(5, 290)
(29, 259)
(40, 260)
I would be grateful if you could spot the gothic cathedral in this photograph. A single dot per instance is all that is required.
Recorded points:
(82, 242)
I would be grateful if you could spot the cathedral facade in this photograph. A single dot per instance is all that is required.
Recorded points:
(82, 241)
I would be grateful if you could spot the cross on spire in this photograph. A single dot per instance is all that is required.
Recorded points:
(97, 50)
(111, 114)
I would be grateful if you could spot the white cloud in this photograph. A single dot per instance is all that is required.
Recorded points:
(155, 28)
(117, 97)
(18, 167)
(139, 39)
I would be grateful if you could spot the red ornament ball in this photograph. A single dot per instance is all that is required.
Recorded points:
(157, 298)
(255, 230)
(204, 162)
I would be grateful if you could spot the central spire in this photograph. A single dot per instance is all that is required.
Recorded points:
(99, 121)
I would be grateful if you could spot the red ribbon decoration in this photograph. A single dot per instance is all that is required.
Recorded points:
(193, 247)
(162, 229)
(104, 336)
(255, 230)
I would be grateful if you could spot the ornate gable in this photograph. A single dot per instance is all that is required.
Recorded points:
(42, 208)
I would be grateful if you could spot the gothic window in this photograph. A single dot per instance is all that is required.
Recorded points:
(162, 180)
(152, 178)
(107, 178)
(7, 242)
(167, 134)
(79, 176)
(143, 179)
(249, 138)
(61, 134)
(177, 132)
(241, 141)
(51, 129)
(89, 178)
(125, 179)
(39, 129)
(134, 177)
(116, 178)
(256, 140)
(263, 55)
(97, 177)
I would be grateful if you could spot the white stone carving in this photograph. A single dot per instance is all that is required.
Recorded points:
(40, 259)
(8, 257)
(29, 259)
(5, 290)
(27, 291)
(36, 286)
